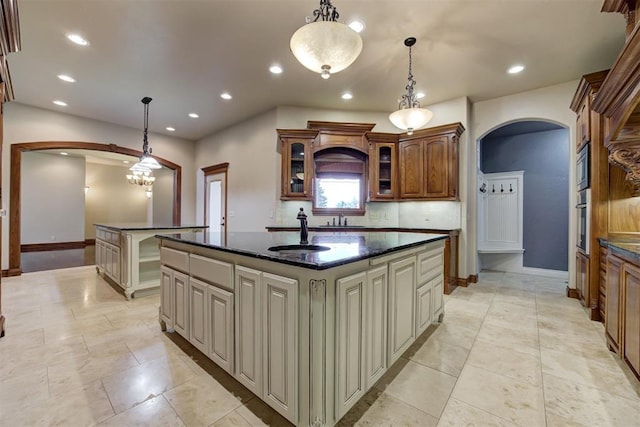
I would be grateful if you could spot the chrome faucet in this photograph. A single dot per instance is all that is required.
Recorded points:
(304, 231)
(340, 216)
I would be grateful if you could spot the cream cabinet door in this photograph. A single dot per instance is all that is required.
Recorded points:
(166, 301)
(180, 301)
(197, 314)
(437, 298)
(423, 307)
(402, 279)
(350, 361)
(249, 328)
(220, 327)
(280, 344)
(376, 325)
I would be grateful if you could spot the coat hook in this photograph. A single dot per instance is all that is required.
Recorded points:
(493, 188)
(510, 189)
(501, 189)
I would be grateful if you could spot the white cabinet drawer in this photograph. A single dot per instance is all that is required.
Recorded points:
(175, 259)
(213, 271)
(429, 265)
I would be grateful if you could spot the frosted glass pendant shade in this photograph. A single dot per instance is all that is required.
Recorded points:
(149, 162)
(326, 47)
(410, 119)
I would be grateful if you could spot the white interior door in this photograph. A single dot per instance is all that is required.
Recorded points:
(215, 215)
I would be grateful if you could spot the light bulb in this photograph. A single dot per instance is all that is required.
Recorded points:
(326, 73)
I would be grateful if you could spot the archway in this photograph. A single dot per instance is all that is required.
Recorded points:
(16, 177)
(529, 234)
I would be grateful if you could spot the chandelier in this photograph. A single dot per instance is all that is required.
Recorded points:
(409, 115)
(325, 45)
(140, 176)
(141, 171)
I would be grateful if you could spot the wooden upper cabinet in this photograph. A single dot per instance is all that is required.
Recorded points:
(429, 163)
(297, 164)
(583, 124)
(383, 166)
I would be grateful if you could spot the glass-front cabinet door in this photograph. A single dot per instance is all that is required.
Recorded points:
(382, 171)
(297, 159)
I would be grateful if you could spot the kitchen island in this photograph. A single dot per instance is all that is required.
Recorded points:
(307, 329)
(128, 254)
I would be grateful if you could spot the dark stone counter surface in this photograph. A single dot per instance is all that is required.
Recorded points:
(628, 249)
(345, 247)
(138, 226)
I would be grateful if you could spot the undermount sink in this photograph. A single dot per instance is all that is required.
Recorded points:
(300, 249)
(340, 226)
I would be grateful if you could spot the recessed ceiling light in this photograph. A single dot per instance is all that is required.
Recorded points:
(357, 26)
(60, 103)
(275, 69)
(66, 78)
(193, 115)
(515, 69)
(78, 39)
(225, 95)
(420, 95)
(347, 95)
(126, 162)
(170, 129)
(63, 153)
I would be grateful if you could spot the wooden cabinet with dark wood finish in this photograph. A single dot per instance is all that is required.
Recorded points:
(297, 163)
(602, 302)
(589, 145)
(428, 163)
(612, 313)
(631, 322)
(383, 166)
(582, 275)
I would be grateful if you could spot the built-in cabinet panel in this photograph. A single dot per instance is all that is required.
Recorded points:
(249, 328)
(632, 317)
(220, 327)
(582, 276)
(376, 324)
(198, 314)
(383, 163)
(361, 341)
(279, 352)
(297, 164)
(402, 288)
(411, 159)
(350, 341)
(166, 304)
(614, 296)
(423, 308)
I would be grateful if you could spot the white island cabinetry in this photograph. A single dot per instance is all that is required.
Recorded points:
(129, 254)
(307, 339)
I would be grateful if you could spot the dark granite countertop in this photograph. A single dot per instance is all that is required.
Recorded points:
(628, 249)
(138, 226)
(345, 247)
(363, 228)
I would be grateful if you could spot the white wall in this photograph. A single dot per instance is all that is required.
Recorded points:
(163, 197)
(250, 150)
(29, 124)
(550, 104)
(52, 192)
(111, 198)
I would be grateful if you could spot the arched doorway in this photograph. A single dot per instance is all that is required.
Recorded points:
(16, 177)
(540, 149)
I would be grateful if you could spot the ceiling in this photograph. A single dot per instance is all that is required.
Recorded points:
(185, 53)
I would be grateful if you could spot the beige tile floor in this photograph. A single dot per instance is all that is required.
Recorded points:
(512, 350)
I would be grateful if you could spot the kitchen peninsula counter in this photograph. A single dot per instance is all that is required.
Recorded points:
(307, 332)
(128, 254)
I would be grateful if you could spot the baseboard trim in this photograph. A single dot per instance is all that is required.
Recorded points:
(13, 272)
(473, 278)
(57, 246)
(573, 293)
(556, 274)
(464, 282)
(5, 273)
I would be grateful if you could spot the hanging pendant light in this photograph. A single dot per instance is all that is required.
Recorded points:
(325, 45)
(409, 115)
(146, 160)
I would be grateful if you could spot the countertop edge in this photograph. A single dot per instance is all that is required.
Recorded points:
(299, 263)
(149, 227)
